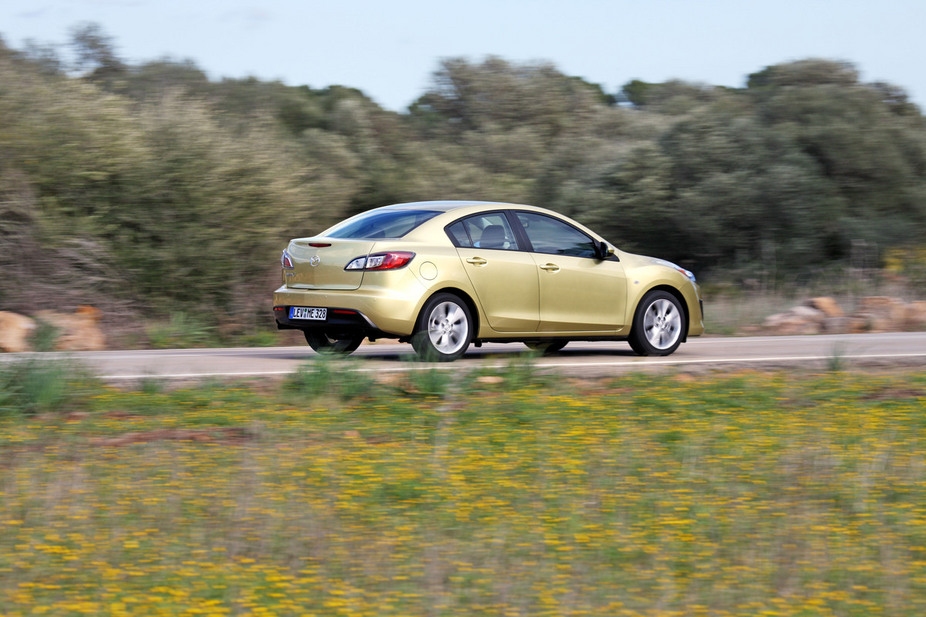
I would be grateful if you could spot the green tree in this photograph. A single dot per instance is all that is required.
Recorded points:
(863, 141)
(157, 189)
(95, 54)
(501, 95)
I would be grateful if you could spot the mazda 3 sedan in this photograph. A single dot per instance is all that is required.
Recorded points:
(443, 275)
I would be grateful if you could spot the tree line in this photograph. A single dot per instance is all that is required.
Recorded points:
(150, 188)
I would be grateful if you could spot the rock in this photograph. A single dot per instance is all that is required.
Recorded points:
(822, 315)
(827, 305)
(915, 315)
(15, 330)
(836, 325)
(389, 379)
(798, 320)
(858, 325)
(78, 331)
(808, 313)
(881, 313)
(490, 379)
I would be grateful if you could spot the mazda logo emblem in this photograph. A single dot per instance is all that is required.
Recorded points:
(315, 261)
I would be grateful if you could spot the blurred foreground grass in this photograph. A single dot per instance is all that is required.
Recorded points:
(460, 494)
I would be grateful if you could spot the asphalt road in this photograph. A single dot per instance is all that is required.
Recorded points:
(902, 349)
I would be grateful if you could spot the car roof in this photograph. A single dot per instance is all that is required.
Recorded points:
(465, 208)
(449, 205)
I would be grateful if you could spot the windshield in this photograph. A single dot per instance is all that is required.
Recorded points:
(380, 224)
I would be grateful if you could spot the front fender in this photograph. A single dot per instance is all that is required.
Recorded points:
(652, 277)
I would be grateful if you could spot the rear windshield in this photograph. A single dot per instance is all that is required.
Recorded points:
(381, 224)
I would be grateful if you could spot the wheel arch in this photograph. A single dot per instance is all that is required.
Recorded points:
(678, 296)
(462, 295)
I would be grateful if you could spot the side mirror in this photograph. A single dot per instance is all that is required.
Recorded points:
(603, 251)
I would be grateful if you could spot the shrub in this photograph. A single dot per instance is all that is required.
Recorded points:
(39, 386)
(332, 377)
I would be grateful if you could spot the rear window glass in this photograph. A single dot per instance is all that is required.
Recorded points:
(380, 224)
(487, 231)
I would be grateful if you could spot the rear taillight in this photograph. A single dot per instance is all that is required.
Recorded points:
(286, 261)
(381, 261)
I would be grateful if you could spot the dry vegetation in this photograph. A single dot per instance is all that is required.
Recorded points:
(504, 494)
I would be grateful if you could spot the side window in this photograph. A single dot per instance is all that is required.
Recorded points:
(548, 235)
(458, 235)
(487, 231)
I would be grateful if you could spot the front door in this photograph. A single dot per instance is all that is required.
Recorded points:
(579, 292)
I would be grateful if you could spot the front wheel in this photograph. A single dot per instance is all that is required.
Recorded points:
(444, 329)
(658, 325)
(327, 345)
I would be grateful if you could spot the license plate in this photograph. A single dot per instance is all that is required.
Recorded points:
(308, 312)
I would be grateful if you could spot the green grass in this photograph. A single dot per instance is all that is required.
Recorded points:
(433, 493)
(37, 385)
(182, 330)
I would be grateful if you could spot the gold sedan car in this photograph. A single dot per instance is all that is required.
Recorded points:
(446, 274)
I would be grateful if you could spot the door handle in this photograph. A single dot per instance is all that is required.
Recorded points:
(550, 267)
(476, 261)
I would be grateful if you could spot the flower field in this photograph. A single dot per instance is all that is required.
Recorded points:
(437, 494)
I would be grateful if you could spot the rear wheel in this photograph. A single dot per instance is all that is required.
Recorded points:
(658, 325)
(327, 345)
(546, 347)
(444, 329)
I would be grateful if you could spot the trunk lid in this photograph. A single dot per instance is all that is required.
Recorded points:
(318, 263)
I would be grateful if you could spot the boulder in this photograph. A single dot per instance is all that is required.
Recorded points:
(915, 315)
(808, 313)
(798, 320)
(836, 325)
(15, 330)
(827, 305)
(822, 315)
(78, 331)
(881, 314)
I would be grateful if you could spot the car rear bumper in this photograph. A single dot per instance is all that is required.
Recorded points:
(376, 312)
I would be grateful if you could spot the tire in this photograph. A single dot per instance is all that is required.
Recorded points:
(659, 325)
(546, 348)
(444, 330)
(329, 346)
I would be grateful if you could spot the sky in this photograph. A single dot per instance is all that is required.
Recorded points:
(390, 49)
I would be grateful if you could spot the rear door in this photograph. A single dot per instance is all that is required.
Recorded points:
(503, 275)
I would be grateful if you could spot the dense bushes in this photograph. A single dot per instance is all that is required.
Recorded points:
(151, 190)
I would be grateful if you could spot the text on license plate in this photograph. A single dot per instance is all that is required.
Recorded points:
(308, 312)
